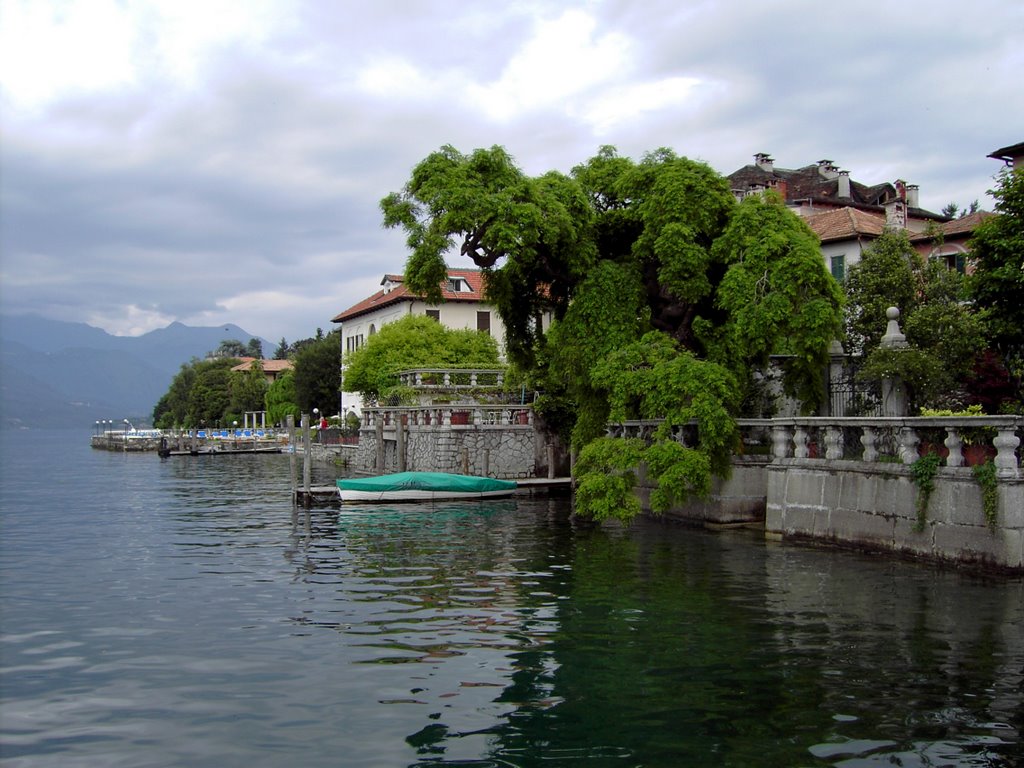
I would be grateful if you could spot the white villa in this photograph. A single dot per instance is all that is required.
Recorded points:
(463, 307)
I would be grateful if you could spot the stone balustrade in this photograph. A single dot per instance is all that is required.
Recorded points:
(848, 481)
(455, 416)
(426, 379)
(876, 439)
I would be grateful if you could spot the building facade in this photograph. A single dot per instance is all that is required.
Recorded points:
(464, 307)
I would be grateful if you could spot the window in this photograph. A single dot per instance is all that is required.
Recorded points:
(956, 261)
(483, 322)
(839, 268)
(352, 343)
(435, 314)
(455, 284)
(373, 329)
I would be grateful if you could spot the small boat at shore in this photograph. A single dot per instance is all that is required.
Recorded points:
(423, 486)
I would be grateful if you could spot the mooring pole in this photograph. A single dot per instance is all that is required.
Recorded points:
(306, 451)
(289, 422)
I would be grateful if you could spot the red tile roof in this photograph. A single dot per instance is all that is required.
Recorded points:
(474, 279)
(845, 224)
(965, 225)
(269, 366)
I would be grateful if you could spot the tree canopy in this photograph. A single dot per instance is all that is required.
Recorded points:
(666, 296)
(997, 284)
(944, 333)
(207, 392)
(317, 377)
(414, 341)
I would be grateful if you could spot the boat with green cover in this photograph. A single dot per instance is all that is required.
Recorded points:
(423, 486)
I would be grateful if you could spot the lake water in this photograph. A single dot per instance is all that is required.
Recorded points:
(169, 613)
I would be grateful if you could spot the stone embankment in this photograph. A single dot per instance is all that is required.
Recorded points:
(851, 482)
(495, 441)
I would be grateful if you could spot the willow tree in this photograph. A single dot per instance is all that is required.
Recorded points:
(666, 298)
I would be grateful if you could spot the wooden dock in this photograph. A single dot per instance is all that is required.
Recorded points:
(217, 451)
(327, 495)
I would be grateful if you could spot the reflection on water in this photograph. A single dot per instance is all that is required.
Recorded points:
(171, 613)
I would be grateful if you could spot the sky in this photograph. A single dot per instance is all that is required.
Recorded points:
(216, 161)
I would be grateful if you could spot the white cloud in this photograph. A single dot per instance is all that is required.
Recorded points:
(562, 61)
(630, 102)
(128, 320)
(48, 51)
(217, 161)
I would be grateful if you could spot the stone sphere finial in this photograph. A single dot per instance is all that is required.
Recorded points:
(893, 338)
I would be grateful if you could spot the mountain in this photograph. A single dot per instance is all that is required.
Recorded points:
(55, 373)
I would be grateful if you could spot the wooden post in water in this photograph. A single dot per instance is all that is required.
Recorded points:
(487, 462)
(290, 424)
(551, 461)
(306, 451)
(465, 461)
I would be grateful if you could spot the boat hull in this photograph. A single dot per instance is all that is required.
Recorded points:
(423, 486)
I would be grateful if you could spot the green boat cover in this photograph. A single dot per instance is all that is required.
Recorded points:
(425, 481)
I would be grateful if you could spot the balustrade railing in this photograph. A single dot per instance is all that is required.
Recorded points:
(960, 441)
(452, 378)
(459, 415)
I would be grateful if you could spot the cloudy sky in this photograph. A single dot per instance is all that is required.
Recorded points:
(214, 161)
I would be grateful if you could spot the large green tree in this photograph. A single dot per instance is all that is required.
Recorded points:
(997, 284)
(248, 391)
(414, 341)
(280, 399)
(200, 394)
(666, 296)
(318, 373)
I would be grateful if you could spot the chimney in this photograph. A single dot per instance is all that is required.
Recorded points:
(912, 197)
(901, 189)
(896, 214)
(764, 161)
(844, 184)
(828, 169)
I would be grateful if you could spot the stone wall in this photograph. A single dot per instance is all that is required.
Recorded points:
(849, 481)
(507, 452)
(874, 507)
(741, 498)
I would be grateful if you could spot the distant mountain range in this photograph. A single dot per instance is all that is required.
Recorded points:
(60, 374)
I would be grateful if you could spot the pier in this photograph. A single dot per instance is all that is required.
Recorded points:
(327, 495)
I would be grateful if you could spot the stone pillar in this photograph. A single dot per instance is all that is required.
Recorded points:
(379, 435)
(894, 393)
(836, 369)
(400, 443)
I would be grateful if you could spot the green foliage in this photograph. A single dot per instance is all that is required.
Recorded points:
(997, 283)
(172, 409)
(944, 333)
(230, 348)
(606, 477)
(886, 276)
(280, 399)
(200, 394)
(779, 298)
(281, 353)
(665, 296)
(248, 390)
(414, 341)
(923, 472)
(985, 475)
(318, 373)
